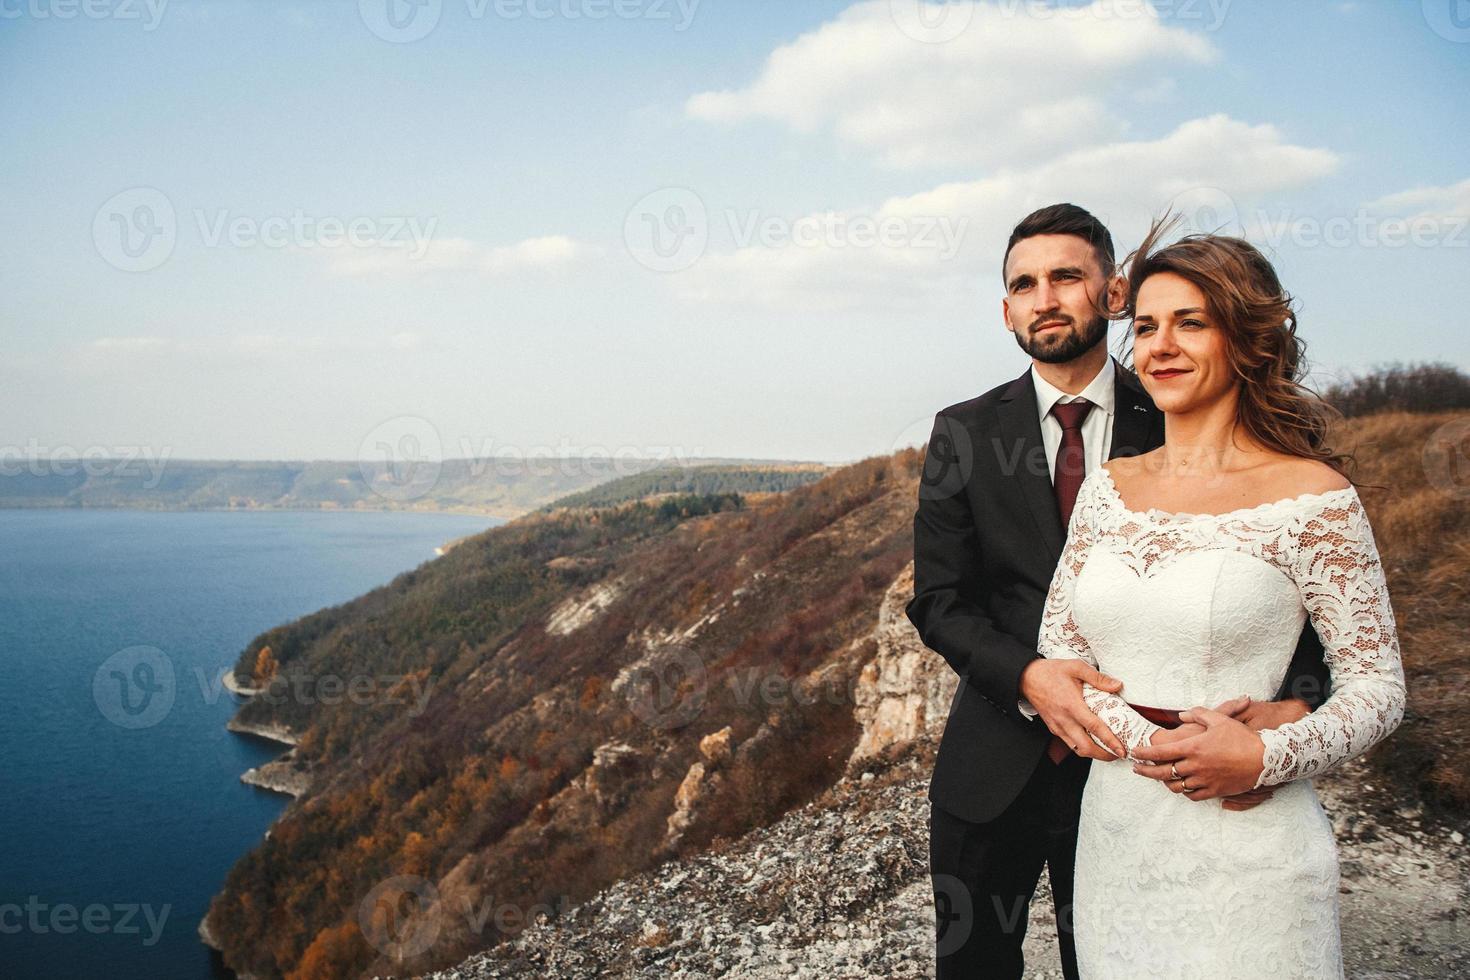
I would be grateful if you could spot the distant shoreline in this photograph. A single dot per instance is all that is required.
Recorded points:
(441, 512)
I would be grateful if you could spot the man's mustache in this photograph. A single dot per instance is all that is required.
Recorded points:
(1039, 321)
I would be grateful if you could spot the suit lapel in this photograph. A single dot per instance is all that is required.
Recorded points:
(1137, 428)
(1137, 425)
(1020, 428)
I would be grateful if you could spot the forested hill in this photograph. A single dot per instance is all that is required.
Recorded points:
(503, 487)
(497, 677)
(577, 695)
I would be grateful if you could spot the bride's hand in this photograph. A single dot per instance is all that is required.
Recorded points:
(1224, 760)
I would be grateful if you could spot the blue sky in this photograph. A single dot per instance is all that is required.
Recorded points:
(505, 174)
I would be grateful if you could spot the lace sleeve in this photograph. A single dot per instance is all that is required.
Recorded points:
(1060, 636)
(1336, 566)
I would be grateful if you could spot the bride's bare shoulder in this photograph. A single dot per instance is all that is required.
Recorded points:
(1292, 476)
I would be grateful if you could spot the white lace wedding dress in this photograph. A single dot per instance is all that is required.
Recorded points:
(1195, 609)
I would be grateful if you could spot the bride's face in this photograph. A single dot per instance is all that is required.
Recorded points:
(1178, 345)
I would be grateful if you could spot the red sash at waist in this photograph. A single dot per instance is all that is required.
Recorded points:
(1163, 717)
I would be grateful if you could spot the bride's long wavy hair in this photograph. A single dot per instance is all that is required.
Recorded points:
(1258, 316)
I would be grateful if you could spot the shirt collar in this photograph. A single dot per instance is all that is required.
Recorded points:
(1100, 390)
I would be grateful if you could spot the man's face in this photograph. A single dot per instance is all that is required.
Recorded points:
(1052, 282)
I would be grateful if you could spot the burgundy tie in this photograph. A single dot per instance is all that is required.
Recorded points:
(1070, 468)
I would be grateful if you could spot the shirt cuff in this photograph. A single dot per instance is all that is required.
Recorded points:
(1026, 708)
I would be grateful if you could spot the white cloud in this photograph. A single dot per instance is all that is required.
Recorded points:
(1212, 169)
(1020, 82)
(546, 252)
(1427, 203)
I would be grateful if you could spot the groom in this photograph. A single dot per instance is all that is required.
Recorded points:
(1000, 478)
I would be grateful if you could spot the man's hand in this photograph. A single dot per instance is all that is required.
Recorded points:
(1234, 708)
(1237, 708)
(1261, 715)
(1054, 688)
(1246, 800)
(1166, 735)
(1224, 760)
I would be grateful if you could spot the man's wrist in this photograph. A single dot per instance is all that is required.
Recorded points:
(1296, 709)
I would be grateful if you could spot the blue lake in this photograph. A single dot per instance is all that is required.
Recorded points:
(115, 834)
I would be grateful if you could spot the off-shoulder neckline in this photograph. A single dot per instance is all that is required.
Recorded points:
(1261, 508)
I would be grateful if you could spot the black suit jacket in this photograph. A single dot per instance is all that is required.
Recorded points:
(987, 539)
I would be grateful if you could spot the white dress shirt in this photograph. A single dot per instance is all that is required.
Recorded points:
(1097, 431)
(1097, 428)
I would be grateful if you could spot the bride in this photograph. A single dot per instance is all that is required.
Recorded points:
(1188, 573)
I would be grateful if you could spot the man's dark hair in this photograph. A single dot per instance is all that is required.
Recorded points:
(1065, 219)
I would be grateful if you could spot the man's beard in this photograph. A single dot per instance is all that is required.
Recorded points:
(1070, 347)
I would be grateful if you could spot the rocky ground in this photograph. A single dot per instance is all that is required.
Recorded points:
(839, 889)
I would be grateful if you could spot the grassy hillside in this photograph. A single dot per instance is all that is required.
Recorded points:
(1421, 521)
